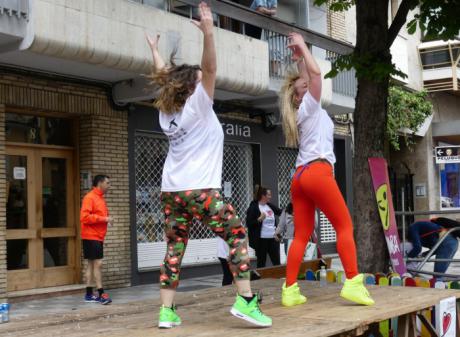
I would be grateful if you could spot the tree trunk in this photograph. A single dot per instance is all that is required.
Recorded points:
(370, 125)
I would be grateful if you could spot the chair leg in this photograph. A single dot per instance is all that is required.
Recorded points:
(431, 330)
(407, 326)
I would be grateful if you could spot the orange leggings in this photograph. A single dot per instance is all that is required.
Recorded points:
(314, 186)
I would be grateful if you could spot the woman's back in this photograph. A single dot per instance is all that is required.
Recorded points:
(316, 132)
(196, 139)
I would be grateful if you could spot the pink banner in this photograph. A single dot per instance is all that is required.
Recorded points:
(381, 182)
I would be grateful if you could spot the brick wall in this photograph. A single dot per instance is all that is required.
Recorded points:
(336, 27)
(103, 148)
(2, 206)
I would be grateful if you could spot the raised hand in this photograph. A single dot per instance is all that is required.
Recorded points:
(158, 62)
(153, 42)
(206, 23)
(296, 44)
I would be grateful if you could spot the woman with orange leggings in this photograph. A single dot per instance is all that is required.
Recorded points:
(309, 127)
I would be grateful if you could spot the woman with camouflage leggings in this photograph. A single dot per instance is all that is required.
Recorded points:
(192, 172)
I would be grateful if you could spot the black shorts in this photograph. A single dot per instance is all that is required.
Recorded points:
(93, 249)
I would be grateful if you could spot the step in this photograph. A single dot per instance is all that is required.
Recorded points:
(39, 293)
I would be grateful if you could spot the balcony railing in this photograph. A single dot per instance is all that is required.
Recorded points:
(345, 82)
(18, 8)
(242, 20)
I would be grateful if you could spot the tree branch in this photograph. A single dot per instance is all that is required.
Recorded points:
(400, 19)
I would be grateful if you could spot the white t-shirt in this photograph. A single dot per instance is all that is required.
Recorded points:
(196, 145)
(268, 225)
(222, 248)
(316, 132)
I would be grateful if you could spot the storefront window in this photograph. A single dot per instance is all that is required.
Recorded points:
(55, 252)
(17, 252)
(450, 185)
(38, 130)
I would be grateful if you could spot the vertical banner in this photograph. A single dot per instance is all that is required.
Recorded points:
(381, 183)
(446, 317)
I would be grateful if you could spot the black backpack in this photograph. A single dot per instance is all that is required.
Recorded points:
(448, 224)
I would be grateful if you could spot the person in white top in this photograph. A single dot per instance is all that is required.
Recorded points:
(261, 223)
(307, 125)
(191, 180)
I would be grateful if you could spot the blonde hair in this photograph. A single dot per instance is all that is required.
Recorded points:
(288, 107)
(176, 83)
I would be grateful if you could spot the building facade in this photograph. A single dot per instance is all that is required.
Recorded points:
(73, 104)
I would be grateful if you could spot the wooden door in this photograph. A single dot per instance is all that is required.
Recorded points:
(41, 217)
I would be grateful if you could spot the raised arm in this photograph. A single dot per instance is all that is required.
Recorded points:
(158, 62)
(308, 68)
(208, 59)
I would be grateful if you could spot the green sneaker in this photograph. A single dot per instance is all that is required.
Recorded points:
(355, 291)
(291, 296)
(168, 318)
(250, 311)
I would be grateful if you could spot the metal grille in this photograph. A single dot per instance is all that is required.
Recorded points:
(286, 168)
(238, 170)
(327, 231)
(237, 176)
(345, 82)
(279, 55)
(150, 155)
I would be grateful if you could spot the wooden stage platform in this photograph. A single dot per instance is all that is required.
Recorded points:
(206, 312)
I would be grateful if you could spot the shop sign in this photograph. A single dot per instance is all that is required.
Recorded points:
(19, 173)
(231, 129)
(447, 154)
(227, 189)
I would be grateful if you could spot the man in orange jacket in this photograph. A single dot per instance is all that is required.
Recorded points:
(94, 218)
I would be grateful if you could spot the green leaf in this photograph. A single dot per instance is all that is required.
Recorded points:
(412, 26)
(406, 110)
(336, 5)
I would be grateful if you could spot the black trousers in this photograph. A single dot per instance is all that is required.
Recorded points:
(270, 247)
(228, 277)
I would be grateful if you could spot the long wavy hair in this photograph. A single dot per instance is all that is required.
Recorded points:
(176, 83)
(288, 107)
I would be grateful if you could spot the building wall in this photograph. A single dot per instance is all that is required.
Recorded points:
(103, 148)
(445, 106)
(337, 25)
(110, 34)
(3, 202)
(342, 25)
(421, 161)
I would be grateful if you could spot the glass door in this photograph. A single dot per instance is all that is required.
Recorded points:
(41, 218)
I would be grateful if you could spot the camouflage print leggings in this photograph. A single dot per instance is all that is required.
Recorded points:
(180, 208)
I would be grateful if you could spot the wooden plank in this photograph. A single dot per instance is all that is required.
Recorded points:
(280, 271)
(407, 326)
(324, 314)
(39, 146)
(16, 234)
(206, 313)
(458, 320)
(57, 232)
